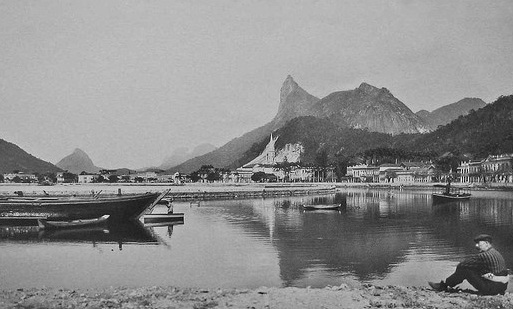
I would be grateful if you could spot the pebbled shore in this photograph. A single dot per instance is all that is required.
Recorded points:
(365, 296)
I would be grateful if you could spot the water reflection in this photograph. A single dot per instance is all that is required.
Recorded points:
(378, 231)
(130, 232)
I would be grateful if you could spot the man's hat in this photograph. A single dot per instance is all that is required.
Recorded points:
(484, 237)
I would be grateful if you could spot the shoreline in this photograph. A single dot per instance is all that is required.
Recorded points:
(343, 296)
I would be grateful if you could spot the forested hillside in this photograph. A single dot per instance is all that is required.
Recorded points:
(486, 131)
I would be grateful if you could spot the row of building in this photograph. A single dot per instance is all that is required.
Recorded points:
(494, 168)
(405, 172)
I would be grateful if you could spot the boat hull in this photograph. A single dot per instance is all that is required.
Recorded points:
(440, 197)
(159, 218)
(321, 207)
(119, 208)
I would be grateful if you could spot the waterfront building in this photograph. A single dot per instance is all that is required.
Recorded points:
(492, 169)
(388, 172)
(87, 178)
(363, 173)
(60, 177)
(22, 177)
(470, 171)
(498, 168)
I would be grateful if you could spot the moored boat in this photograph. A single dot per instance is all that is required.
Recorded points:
(49, 224)
(447, 193)
(322, 207)
(118, 207)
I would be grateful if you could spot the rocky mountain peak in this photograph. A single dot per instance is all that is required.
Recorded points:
(370, 90)
(79, 152)
(369, 107)
(367, 87)
(289, 85)
(294, 102)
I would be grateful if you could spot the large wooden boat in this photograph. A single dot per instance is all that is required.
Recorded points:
(448, 193)
(118, 207)
(49, 224)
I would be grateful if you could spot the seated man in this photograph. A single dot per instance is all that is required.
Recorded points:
(485, 271)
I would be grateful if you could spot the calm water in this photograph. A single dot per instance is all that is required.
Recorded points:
(383, 237)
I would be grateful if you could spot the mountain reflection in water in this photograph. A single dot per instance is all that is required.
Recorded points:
(375, 233)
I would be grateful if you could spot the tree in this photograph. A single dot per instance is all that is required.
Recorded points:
(390, 175)
(213, 176)
(2, 178)
(69, 177)
(113, 178)
(286, 167)
(259, 177)
(16, 179)
(195, 176)
(125, 178)
(321, 160)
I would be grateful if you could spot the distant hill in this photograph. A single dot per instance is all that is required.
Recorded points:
(371, 108)
(183, 154)
(13, 158)
(78, 162)
(485, 131)
(448, 113)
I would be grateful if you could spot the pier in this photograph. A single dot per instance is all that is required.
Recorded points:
(250, 192)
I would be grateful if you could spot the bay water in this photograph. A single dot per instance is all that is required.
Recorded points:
(385, 237)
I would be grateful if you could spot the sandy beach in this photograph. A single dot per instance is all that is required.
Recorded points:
(344, 296)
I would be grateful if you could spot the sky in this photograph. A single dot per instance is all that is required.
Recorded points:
(128, 82)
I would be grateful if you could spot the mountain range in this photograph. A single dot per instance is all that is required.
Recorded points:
(366, 107)
(356, 119)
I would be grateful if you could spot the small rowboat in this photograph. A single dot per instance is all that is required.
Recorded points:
(322, 207)
(50, 224)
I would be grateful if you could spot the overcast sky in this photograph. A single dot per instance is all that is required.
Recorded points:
(130, 81)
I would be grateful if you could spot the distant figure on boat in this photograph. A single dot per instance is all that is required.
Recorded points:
(19, 193)
(170, 206)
